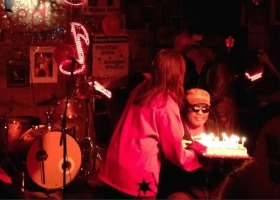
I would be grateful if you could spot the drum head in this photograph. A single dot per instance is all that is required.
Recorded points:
(45, 160)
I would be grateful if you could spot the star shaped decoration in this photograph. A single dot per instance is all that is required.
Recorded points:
(144, 186)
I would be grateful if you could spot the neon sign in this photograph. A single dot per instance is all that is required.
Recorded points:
(79, 34)
(78, 3)
(254, 77)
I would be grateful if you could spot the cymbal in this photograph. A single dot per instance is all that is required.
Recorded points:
(14, 103)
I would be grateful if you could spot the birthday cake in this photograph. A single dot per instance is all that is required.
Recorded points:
(220, 148)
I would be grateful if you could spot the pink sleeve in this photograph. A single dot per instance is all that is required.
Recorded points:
(171, 133)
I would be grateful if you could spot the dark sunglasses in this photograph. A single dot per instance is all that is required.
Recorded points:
(197, 109)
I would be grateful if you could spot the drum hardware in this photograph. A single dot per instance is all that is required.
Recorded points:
(34, 132)
(5, 139)
(49, 118)
(91, 152)
(87, 142)
(63, 136)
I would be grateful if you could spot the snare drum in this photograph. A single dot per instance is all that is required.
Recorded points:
(45, 160)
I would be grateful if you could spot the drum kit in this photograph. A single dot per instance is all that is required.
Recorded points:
(50, 163)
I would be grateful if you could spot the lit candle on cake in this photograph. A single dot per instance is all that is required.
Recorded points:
(243, 140)
(202, 136)
(224, 136)
(237, 141)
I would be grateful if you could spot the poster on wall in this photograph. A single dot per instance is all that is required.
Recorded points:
(102, 7)
(110, 61)
(96, 11)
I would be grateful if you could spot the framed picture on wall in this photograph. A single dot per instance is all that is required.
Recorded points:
(43, 65)
(18, 73)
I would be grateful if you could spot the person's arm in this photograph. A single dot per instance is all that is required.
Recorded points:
(265, 59)
(171, 133)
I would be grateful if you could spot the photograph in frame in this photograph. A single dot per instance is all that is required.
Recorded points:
(18, 73)
(43, 65)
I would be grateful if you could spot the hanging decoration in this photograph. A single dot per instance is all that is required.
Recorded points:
(35, 15)
(66, 57)
(74, 3)
(229, 43)
(111, 24)
(256, 2)
(80, 34)
(63, 52)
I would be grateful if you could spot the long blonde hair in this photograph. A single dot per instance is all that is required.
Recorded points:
(168, 72)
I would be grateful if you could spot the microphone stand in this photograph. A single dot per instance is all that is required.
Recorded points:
(63, 126)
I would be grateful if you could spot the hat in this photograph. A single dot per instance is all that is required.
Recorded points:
(197, 95)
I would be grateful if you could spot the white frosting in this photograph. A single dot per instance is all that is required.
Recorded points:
(219, 149)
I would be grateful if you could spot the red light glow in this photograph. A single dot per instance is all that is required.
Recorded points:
(79, 34)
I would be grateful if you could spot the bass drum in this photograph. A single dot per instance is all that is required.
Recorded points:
(45, 160)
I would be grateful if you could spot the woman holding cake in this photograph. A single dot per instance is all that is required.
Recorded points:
(150, 127)
(201, 183)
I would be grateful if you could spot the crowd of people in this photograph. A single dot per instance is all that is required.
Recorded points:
(146, 158)
(147, 155)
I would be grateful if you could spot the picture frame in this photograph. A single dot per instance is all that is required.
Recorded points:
(275, 12)
(18, 73)
(43, 65)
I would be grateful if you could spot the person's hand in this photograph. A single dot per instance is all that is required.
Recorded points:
(185, 143)
(263, 57)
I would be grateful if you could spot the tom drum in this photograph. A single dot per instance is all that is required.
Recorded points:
(75, 112)
(16, 126)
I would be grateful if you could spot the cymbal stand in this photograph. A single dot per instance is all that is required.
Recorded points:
(88, 141)
(95, 157)
(49, 118)
(63, 127)
(63, 142)
(95, 152)
(6, 135)
(91, 152)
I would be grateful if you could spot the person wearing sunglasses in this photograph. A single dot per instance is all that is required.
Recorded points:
(196, 113)
(202, 183)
